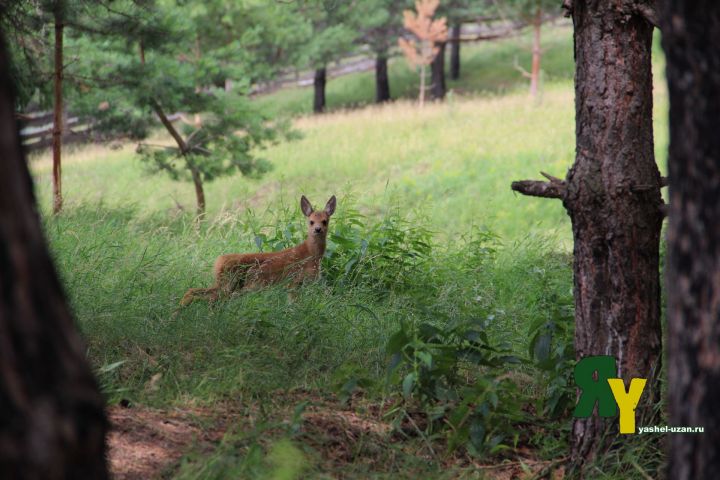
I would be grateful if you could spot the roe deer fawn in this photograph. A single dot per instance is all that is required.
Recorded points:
(238, 271)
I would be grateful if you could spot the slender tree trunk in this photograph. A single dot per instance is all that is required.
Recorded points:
(58, 113)
(691, 34)
(184, 150)
(612, 194)
(455, 51)
(319, 84)
(199, 190)
(53, 423)
(382, 83)
(421, 99)
(182, 146)
(536, 52)
(198, 88)
(437, 88)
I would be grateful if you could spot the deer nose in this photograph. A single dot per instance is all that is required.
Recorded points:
(318, 229)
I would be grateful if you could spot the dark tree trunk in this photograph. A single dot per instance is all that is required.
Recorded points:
(382, 83)
(612, 194)
(51, 410)
(613, 199)
(58, 112)
(536, 52)
(691, 35)
(437, 88)
(455, 51)
(319, 84)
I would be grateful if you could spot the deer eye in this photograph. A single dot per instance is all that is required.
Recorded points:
(312, 223)
(324, 222)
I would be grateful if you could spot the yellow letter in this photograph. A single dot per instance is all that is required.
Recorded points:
(627, 401)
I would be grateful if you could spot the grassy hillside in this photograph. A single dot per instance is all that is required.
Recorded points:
(427, 232)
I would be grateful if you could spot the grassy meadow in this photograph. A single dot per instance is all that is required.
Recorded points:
(427, 232)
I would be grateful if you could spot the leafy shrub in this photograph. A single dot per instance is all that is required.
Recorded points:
(458, 378)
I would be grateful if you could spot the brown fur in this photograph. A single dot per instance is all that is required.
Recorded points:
(236, 272)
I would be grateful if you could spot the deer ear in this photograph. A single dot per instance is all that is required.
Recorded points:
(305, 206)
(330, 206)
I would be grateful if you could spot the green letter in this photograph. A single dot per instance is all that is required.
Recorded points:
(595, 389)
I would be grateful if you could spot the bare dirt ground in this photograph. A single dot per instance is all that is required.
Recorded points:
(144, 443)
(148, 443)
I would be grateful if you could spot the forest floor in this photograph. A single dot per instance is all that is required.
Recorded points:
(427, 237)
(150, 443)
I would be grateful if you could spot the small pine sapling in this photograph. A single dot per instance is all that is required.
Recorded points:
(429, 33)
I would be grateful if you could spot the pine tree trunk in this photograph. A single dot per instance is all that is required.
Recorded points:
(53, 423)
(421, 97)
(382, 83)
(58, 113)
(613, 199)
(691, 34)
(455, 52)
(536, 53)
(185, 152)
(319, 84)
(199, 191)
(612, 195)
(437, 88)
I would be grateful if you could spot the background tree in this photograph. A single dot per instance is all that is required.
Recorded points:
(146, 77)
(691, 32)
(260, 38)
(41, 32)
(59, 12)
(52, 410)
(429, 33)
(533, 12)
(612, 195)
(330, 35)
(456, 12)
(380, 22)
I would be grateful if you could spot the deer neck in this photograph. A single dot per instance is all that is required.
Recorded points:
(315, 245)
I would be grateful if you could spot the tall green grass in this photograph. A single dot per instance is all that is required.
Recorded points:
(125, 277)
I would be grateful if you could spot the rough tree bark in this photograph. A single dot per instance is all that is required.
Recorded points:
(455, 51)
(612, 195)
(691, 35)
(51, 410)
(58, 109)
(536, 52)
(382, 82)
(437, 68)
(319, 84)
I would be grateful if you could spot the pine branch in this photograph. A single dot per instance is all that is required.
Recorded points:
(537, 188)
(169, 127)
(555, 188)
(520, 69)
